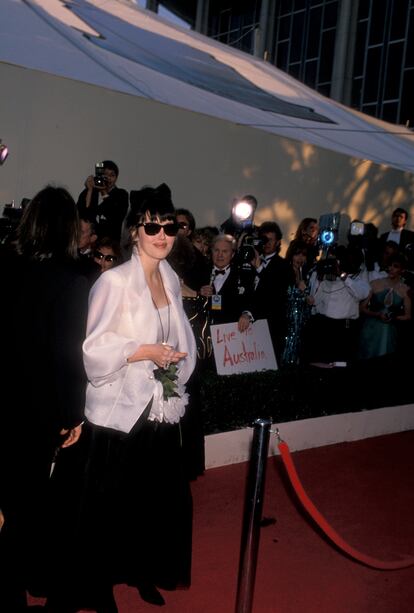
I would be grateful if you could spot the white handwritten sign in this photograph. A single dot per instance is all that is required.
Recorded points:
(236, 352)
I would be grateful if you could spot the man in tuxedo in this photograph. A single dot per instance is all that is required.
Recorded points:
(273, 277)
(105, 205)
(228, 296)
(398, 233)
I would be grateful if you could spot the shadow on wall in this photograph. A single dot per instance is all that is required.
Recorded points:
(325, 182)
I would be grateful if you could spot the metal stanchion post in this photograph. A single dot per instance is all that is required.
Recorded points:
(252, 516)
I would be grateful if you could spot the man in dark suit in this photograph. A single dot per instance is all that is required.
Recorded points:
(105, 204)
(229, 295)
(398, 233)
(273, 277)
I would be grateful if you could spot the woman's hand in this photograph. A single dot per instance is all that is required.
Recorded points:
(162, 355)
(72, 435)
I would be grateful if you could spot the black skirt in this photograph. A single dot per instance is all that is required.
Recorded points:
(133, 523)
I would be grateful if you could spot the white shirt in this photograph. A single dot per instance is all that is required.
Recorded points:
(219, 279)
(121, 318)
(265, 259)
(395, 235)
(340, 299)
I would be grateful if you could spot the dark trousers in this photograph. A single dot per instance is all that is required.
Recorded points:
(330, 340)
(26, 455)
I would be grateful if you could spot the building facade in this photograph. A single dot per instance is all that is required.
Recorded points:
(359, 52)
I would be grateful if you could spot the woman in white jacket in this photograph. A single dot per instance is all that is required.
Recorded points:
(139, 353)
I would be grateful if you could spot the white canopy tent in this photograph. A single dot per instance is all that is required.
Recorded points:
(106, 79)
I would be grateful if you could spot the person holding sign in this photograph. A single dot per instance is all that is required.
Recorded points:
(229, 298)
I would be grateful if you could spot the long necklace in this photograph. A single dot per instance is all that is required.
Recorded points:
(164, 338)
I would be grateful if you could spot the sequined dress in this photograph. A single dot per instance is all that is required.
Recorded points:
(298, 312)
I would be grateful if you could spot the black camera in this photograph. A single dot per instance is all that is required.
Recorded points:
(99, 178)
(340, 260)
(328, 267)
(251, 243)
(10, 220)
(328, 230)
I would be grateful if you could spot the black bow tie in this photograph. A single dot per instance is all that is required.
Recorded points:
(219, 272)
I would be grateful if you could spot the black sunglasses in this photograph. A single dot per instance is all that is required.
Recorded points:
(108, 258)
(152, 228)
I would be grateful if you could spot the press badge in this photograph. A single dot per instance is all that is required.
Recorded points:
(216, 302)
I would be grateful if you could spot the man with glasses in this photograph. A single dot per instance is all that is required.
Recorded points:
(186, 223)
(107, 253)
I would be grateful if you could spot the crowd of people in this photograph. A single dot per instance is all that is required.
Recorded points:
(320, 301)
(107, 307)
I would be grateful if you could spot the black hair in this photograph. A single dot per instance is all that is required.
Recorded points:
(110, 243)
(153, 201)
(49, 227)
(398, 258)
(296, 247)
(89, 221)
(401, 211)
(251, 199)
(271, 226)
(110, 165)
(190, 218)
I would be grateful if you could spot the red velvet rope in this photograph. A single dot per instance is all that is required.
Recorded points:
(326, 527)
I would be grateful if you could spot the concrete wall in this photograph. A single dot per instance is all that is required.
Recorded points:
(57, 129)
(235, 446)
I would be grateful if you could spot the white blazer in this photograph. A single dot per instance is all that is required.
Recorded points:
(121, 318)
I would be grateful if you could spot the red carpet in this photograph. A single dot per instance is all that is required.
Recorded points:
(364, 489)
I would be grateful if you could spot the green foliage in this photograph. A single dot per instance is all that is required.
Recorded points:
(233, 402)
(168, 378)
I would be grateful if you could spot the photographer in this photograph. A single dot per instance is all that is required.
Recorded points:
(103, 202)
(9, 223)
(241, 218)
(336, 291)
(364, 236)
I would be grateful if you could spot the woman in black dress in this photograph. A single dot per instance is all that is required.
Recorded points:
(139, 353)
